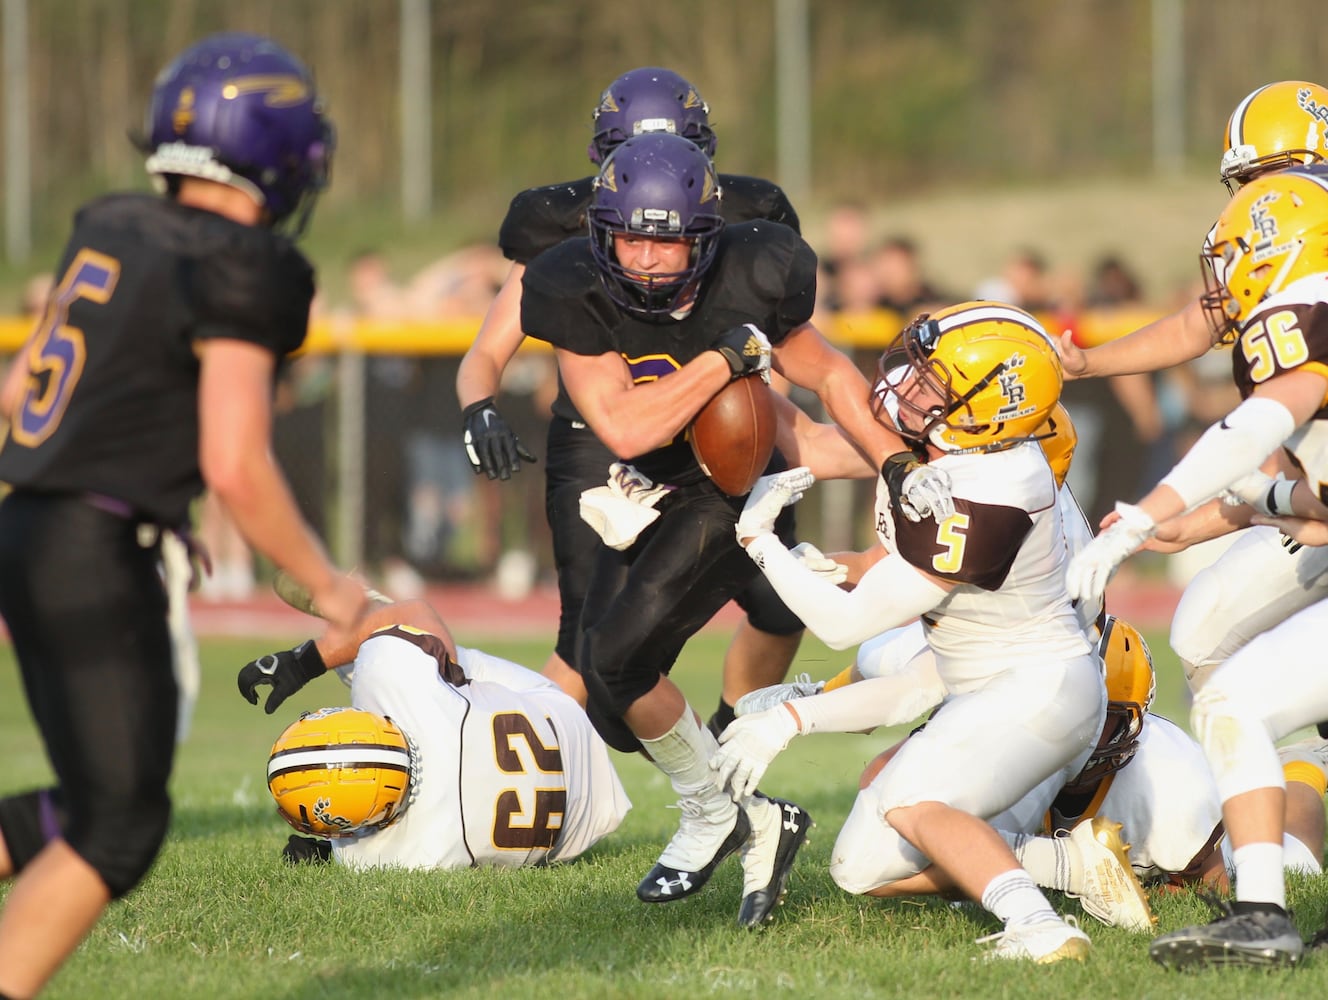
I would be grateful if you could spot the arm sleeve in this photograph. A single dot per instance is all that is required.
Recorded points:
(890, 593)
(1233, 447)
(879, 701)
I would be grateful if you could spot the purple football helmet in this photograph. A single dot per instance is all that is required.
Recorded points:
(241, 110)
(657, 184)
(649, 99)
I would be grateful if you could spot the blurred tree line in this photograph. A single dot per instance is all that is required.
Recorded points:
(907, 96)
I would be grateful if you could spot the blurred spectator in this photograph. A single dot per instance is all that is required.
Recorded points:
(36, 291)
(1119, 420)
(232, 576)
(1023, 282)
(844, 247)
(900, 284)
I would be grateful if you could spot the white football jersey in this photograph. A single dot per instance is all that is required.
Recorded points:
(512, 772)
(1005, 548)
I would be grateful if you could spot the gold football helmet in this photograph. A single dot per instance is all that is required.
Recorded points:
(1058, 439)
(1131, 685)
(1273, 232)
(979, 376)
(340, 772)
(1279, 125)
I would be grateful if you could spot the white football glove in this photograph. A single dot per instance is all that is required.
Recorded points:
(629, 482)
(926, 493)
(1089, 571)
(1268, 495)
(819, 563)
(748, 746)
(769, 496)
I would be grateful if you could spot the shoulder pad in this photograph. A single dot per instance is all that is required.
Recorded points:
(542, 217)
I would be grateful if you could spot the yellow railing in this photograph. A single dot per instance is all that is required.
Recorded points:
(866, 330)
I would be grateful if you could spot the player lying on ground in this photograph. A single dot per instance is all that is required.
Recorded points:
(488, 763)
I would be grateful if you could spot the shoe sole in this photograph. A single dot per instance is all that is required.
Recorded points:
(1197, 953)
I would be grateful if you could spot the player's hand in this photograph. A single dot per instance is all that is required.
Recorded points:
(917, 490)
(768, 497)
(1296, 531)
(746, 349)
(286, 671)
(1074, 361)
(748, 745)
(1096, 562)
(820, 563)
(492, 446)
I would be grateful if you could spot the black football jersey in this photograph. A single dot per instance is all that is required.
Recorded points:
(111, 405)
(542, 217)
(763, 273)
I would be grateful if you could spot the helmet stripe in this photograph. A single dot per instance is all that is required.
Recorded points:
(1003, 313)
(1237, 126)
(355, 755)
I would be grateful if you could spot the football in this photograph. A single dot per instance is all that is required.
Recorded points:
(734, 434)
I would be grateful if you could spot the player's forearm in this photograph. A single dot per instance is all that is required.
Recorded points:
(878, 701)
(639, 418)
(1207, 521)
(1172, 340)
(496, 343)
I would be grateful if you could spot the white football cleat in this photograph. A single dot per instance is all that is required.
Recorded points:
(802, 686)
(1043, 942)
(1111, 891)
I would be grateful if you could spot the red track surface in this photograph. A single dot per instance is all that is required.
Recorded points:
(476, 609)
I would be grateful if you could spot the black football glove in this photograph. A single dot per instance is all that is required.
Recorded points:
(307, 850)
(746, 349)
(491, 445)
(287, 672)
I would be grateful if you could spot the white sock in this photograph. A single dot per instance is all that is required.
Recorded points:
(1053, 862)
(1259, 877)
(1015, 899)
(683, 753)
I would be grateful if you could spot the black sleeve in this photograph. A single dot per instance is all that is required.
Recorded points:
(786, 272)
(747, 198)
(541, 218)
(255, 287)
(563, 302)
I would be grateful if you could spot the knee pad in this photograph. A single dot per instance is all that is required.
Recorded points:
(29, 822)
(1194, 633)
(121, 839)
(611, 728)
(1237, 743)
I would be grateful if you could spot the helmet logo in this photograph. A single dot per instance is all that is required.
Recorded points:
(322, 805)
(608, 178)
(693, 100)
(183, 115)
(1264, 226)
(607, 104)
(708, 186)
(281, 90)
(1011, 381)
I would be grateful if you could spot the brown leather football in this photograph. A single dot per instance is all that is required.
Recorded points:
(734, 434)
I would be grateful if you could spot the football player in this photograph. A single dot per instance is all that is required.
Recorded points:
(149, 376)
(970, 387)
(648, 99)
(650, 315)
(515, 772)
(1261, 579)
(1267, 283)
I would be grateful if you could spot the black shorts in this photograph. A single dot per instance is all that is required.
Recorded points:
(86, 608)
(576, 461)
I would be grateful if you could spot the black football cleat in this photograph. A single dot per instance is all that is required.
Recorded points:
(779, 829)
(1259, 939)
(665, 883)
(307, 850)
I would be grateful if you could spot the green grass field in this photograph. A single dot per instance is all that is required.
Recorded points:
(222, 916)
